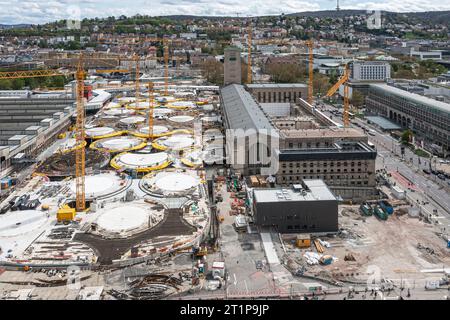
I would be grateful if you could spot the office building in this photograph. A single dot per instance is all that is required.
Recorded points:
(370, 71)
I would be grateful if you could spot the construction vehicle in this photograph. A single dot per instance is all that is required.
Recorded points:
(380, 213)
(65, 214)
(366, 209)
(199, 251)
(386, 206)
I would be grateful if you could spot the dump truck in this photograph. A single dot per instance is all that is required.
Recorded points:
(386, 206)
(380, 213)
(366, 209)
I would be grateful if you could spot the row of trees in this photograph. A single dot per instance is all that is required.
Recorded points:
(33, 83)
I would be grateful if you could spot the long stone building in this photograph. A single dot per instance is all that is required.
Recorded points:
(29, 125)
(339, 156)
(429, 119)
(277, 92)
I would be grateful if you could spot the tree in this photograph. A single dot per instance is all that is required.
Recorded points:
(286, 72)
(212, 70)
(18, 84)
(407, 136)
(357, 98)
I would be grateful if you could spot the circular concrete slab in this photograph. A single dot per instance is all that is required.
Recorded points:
(99, 131)
(177, 142)
(118, 112)
(175, 181)
(157, 130)
(123, 218)
(132, 120)
(181, 119)
(145, 160)
(118, 144)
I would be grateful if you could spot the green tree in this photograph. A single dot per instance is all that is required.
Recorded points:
(18, 84)
(407, 136)
(357, 98)
(5, 84)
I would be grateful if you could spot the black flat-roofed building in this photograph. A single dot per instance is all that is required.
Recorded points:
(307, 207)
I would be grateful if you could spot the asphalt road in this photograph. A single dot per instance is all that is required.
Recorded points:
(410, 166)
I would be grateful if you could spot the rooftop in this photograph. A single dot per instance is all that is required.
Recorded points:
(315, 190)
(241, 110)
(384, 123)
(323, 132)
(412, 97)
(275, 85)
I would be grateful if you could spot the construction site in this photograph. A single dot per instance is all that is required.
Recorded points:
(139, 198)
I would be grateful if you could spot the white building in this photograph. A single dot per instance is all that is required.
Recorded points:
(426, 55)
(370, 70)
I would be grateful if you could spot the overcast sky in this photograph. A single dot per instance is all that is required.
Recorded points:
(20, 11)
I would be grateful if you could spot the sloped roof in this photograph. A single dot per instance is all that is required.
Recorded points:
(241, 110)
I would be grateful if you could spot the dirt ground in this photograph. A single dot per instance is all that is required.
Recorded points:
(391, 246)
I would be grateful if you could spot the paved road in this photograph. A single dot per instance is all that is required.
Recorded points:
(410, 166)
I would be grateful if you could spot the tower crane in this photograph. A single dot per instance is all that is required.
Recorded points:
(166, 67)
(80, 153)
(310, 45)
(249, 58)
(150, 110)
(342, 81)
(137, 75)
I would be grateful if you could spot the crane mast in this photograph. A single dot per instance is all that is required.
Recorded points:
(343, 81)
(309, 43)
(80, 153)
(166, 67)
(150, 110)
(249, 58)
(137, 75)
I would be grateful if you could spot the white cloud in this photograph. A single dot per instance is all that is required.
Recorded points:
(44, 11)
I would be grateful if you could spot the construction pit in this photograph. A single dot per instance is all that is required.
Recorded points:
(62, 165)
(403, 248)
(163, 210)
(142, 203)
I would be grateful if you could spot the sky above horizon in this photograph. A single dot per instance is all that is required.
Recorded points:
(38, 12)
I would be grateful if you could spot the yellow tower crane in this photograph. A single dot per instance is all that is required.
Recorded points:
(310, 45)
(150, 110)
(342, 81)
(249, 58)
(80, 153)
(137, 76)
(166, 67)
